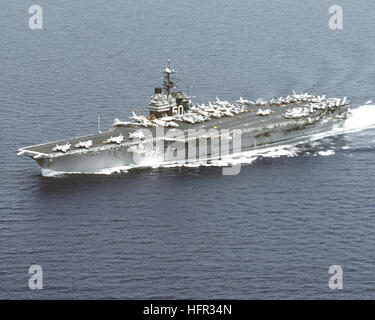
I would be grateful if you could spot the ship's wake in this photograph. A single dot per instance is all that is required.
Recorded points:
(322, 144)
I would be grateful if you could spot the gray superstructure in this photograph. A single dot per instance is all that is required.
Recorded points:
(175, 123)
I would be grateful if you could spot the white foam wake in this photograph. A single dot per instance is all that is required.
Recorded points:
(361, 118)
(326, 153)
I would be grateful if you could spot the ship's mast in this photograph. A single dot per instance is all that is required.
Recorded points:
(168, 83)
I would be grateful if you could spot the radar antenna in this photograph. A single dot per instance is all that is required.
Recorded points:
(168, 83)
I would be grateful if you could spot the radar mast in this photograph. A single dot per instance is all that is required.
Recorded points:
(168, 83)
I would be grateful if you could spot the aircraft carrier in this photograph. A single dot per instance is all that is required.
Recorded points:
(176, 130)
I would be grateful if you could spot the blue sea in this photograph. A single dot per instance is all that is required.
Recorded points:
(270, 232)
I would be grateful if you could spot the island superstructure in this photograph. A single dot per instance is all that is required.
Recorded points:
(139, 141)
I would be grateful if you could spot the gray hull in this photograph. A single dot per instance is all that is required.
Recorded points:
(187, 141)
(195, 133)
(119, 157)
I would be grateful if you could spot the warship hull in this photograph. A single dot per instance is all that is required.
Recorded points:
(176, 145)
(178, 131)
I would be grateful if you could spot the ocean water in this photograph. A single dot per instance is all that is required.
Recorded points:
(270, 232)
